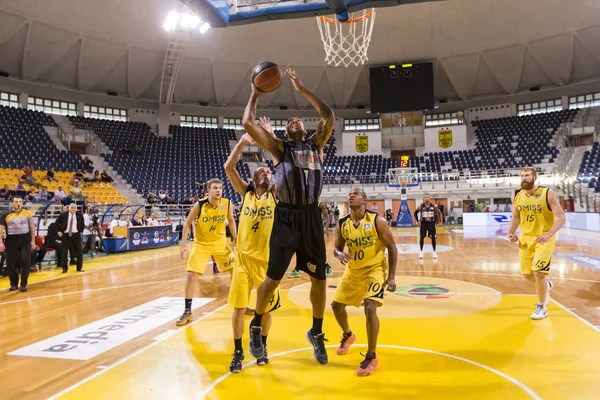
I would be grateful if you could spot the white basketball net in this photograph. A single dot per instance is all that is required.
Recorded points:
(347, 43)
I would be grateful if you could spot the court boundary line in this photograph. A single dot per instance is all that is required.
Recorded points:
(522, 386)
(495, 274)
(588, 323)
(134, 354)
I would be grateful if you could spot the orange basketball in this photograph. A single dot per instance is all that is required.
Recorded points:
(267, 76)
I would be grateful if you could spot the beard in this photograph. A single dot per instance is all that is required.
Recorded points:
(527, 185)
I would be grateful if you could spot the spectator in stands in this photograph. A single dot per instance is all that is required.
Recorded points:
(19, 186)
(88, 164)
(50, 175)
(60, 195)
(507, 208)
(42, 195)
(76, 192)
(78, 176)
(153, 221)
(188, 200)
(138, 150)
(136, 220)
(97, 177)
(441, 208)
(105, 177)
(162, 195)
(5, 193)
(200, 185)
(144, 221)
(28, 177)
(152, 198)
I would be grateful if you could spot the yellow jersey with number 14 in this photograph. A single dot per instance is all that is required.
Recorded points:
(210, 224)
(535, 213)
(364, 246)
(256, 224)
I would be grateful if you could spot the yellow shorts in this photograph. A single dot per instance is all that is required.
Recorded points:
(249, 273)
(535, 256)
(360, 284)
(201, 252)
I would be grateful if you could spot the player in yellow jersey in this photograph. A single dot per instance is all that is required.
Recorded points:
(366, 276)
(254, 233)
(209, 214)
(537, 212)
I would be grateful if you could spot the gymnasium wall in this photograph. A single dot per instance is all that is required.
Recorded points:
(488, 112)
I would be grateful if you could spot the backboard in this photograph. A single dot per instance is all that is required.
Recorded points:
(223, 13)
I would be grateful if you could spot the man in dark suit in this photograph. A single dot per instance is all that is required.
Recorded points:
(70, 229)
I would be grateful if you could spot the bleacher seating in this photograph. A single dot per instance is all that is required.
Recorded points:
(502, 143)
(96, 192)
(589, 170)
(170, 163)
(24, 142)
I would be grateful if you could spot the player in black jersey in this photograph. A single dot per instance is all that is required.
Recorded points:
(297, 226)
(430, 214)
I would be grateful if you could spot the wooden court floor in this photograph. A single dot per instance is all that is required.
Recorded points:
(457, 327)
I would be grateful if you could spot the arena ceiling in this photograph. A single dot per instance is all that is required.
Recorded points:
(481, 48)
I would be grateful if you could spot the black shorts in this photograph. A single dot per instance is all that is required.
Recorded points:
(297, 230)
(428, 229)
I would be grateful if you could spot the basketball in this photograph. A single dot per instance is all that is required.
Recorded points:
(266, 76)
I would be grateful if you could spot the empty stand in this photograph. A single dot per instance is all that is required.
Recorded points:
(170, 163)
(589, 170)
(24, 142)
(502, 143)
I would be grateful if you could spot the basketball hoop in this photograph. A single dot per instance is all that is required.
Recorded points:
(347, 42)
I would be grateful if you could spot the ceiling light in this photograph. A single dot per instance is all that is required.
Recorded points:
(204, 27)
(171, 21)
(194, 22)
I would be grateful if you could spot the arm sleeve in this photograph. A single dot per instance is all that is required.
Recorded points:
(3, 221)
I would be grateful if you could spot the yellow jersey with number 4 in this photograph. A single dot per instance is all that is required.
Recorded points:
(210, 224)
(535, 213)
(256, 224)
(364, 246)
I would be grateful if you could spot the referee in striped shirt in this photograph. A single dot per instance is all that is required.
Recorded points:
(20, 240)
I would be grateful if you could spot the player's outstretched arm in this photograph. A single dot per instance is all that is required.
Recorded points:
(559, 217)
(232, 173)
(325, 126)
(514, 222)
(186, 228)
(264, 138)
(386, 237)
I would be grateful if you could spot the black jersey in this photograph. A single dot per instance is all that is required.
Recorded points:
(299, 174)
(428, 213)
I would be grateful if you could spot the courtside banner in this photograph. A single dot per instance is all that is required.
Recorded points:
(90, 340)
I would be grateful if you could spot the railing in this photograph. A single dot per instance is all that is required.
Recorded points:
(579, 192)
(492, 178)
(597, 129)
(63, 137)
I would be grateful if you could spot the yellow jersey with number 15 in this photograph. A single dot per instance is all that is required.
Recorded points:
(210, 224)
(256, 223)
(535, 213)
(364, 246)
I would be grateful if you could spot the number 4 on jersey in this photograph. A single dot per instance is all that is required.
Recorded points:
(255, 227)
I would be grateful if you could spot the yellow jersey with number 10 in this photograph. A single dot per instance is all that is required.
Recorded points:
(210, 224)
(535, 213)
(256, 224)
(364, 246)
